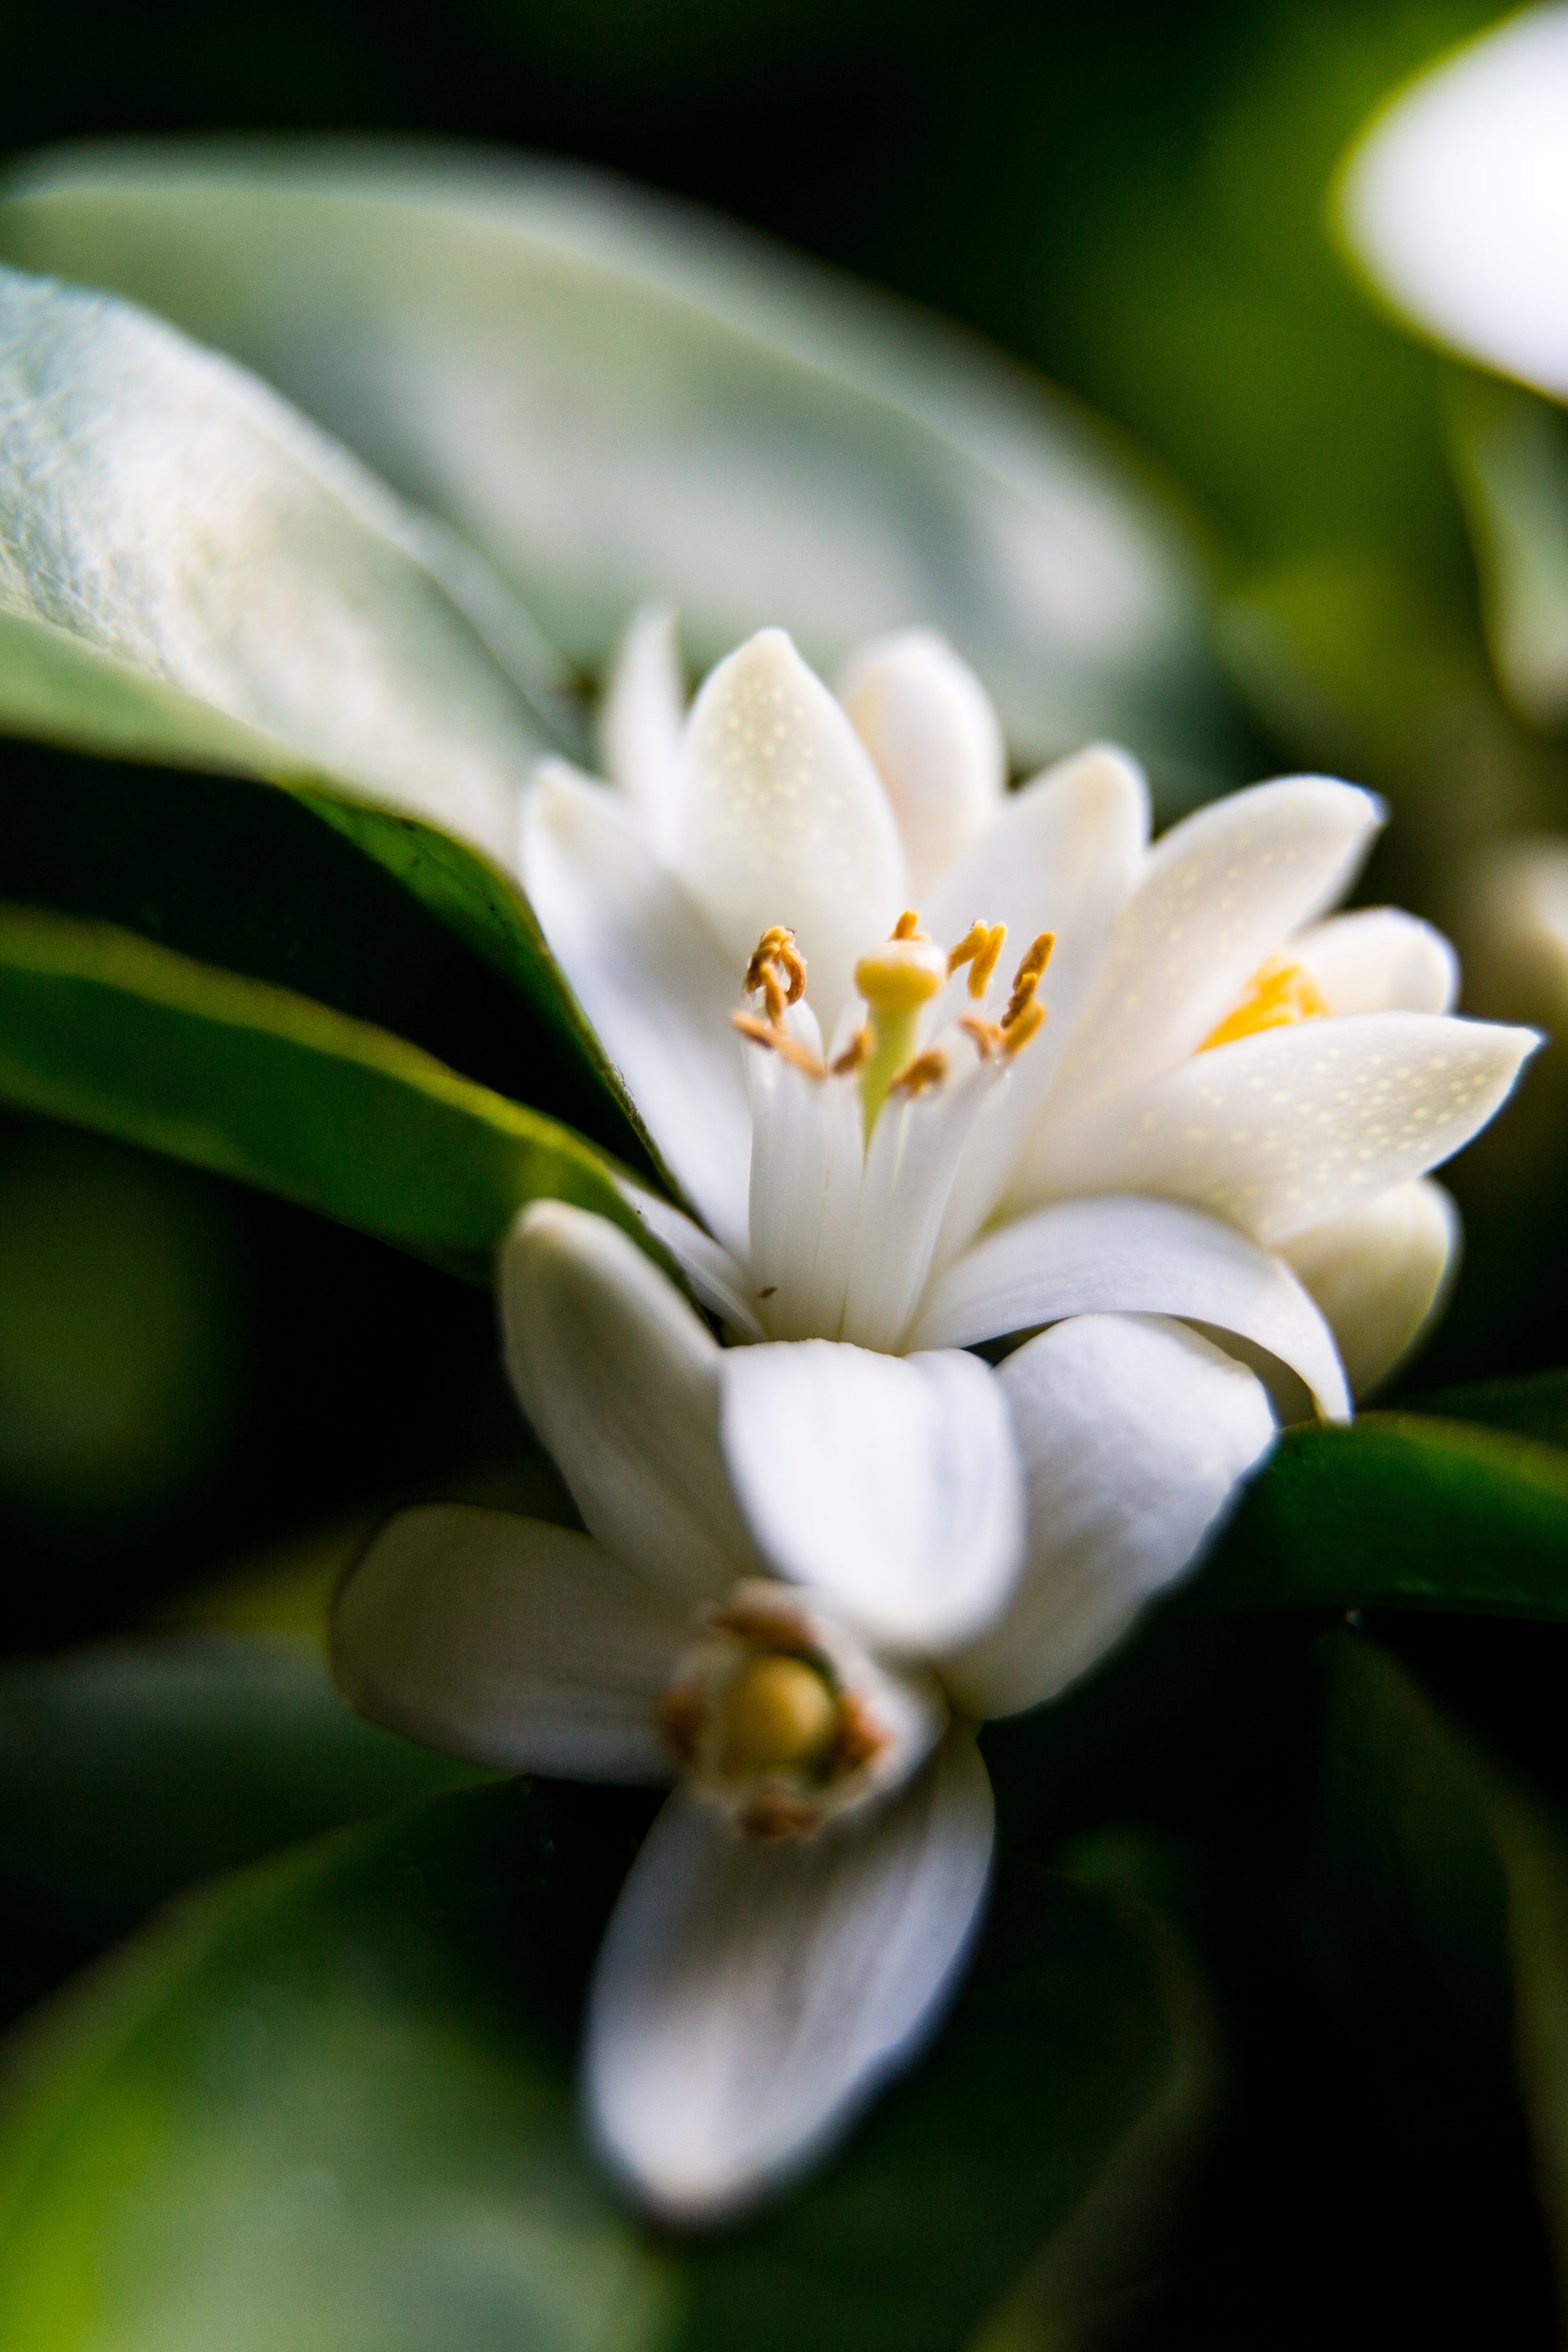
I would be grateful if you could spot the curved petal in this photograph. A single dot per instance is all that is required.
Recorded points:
(621, 1380)
(1121, 1255)
(888, 1484)
(651, 978)
(1279, 1131)
(1136, 1433)
(1457, 202)
(935, 739)
(1381, 1275)
(1379, 959)
(784, 818)
(752, 1999)
(1064, 856)
(1220, 892)
(519, 1645)
(642, 721)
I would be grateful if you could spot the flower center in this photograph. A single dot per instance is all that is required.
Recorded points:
(778, 1712)
(1279, 993)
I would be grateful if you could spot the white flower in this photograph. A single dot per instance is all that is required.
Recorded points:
(809, 1569)
(1228, 1092)
(1456, 201)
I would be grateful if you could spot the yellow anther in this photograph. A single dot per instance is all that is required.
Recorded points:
(778, 968)
(907, 926)
(927, 1069)
(1278, 994)
(987, 1036)
(900, 974)
(857, 1050)
(779, 1714)
(979, 948)
(1026, 1023)
(778, 1040)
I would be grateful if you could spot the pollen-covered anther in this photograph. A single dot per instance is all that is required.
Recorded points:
(857, 1050)
(777, 969)
(1028, 978)
(1279, 993)
(927, 1069)
(778, 1040)
(980, 949)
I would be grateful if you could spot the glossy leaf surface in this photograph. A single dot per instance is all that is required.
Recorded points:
(329, 2104)
(103, 1029)
(614, 397)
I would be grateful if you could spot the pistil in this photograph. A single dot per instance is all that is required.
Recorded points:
(898, 980)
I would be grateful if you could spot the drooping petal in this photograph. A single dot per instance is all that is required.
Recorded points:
(643, 720)
(620, 1379)
(752, 1999)
(1064, 856)
(806, 1163)
(1457, 201)
(721, 1281)
(1121, 1255)
(517, 1644)
(652, 979)
(1219, 894)
(890, 1484)
(928, 723)
(1379, 959)
(1380, 1274)
(1280, 1130)
(1135, 1434)
(783, 819)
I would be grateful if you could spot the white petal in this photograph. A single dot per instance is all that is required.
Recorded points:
(928, 723)
(1379, 959)
(518, 1644)
(1220, 893)
(620, 1379)
(890, 1484)
(1065, 857)
(722, 1282)
(1118, 1254)
(1457, 201)
(1135, 1433)
(641, 722)
(918, 1148)
(785, 820)
(806, 1163)
(752, 1999)
(1280, 1131)
(652, 979)
(1380, 1274)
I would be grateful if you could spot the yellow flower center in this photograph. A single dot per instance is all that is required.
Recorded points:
(779, 1713)
(1279, 993)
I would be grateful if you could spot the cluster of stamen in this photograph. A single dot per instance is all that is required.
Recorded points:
(762, 1717)
(897, 979)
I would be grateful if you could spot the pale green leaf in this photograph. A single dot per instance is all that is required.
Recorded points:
(614, 396)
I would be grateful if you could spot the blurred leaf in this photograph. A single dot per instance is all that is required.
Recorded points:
(1439, 1878)
(1511, 461)
(328, 2108)
(1536, 1406)
(1400, 1512)
(103, 1029)
(193, 574)
(129, 1770)
(615, 398)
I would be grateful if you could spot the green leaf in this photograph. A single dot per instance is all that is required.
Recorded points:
(191, 573)
(103, 1029)
(1400, 1512)
(1509, 452)
(1442, 1884)
(129, 1770)
(328, 2108)
(614, 397)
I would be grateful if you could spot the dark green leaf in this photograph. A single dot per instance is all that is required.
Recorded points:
(1400, 1512)
(336, 2096)
(101, 1028)
(615, 398)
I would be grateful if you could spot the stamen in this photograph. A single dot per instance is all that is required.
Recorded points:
(1028, 977)
(987, 1036)
(927, 1069)
(778, 968)
(980, 947)
(778, 1040)
(1279, 993)
(857, 1050)
(682, 1715)
(1016, 1033)
(773, 1816)
(907, 926)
